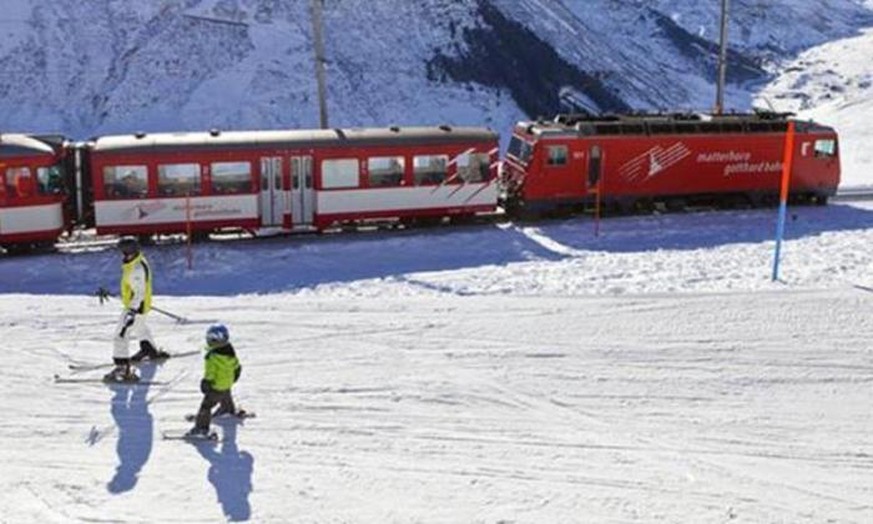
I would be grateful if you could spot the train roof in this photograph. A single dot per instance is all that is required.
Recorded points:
(18, 145)
(586, 124)
(291, 138)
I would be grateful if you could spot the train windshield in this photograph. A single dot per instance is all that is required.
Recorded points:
(519, 149)
(825, 148)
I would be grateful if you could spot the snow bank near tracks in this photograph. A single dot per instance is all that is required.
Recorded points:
(711, 251)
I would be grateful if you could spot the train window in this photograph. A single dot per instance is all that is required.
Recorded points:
(430, 169)
(594, 166)
(19, 182)
(825, 148)
(339, 173)
(125, 181)
(385, 170)
(686, 128)
(50, 180)
(474, 167)
(230, 178)
(519, 149)
(608, 129)
(661, 129)
(178, 179)
(557, 155)
(759, 127)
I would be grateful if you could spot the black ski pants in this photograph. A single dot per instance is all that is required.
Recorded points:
(211, 399)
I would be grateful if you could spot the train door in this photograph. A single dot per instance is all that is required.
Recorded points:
(271, 191)
(595, 167)
(302, 193)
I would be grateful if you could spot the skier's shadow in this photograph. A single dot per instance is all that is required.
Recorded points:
(230, 472)
(135, 426)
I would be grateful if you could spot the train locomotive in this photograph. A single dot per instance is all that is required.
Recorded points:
(626, 163)
(317, 180)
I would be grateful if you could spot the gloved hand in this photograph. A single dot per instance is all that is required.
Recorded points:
(237, 373)
(129, 317)
(205, 386)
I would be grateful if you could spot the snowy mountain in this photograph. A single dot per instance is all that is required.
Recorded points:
(833, 83)
(96, 67)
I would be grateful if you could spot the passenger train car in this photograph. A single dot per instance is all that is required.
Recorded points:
(293, 180)
(32, 191)
(317, 180)
(631, 162)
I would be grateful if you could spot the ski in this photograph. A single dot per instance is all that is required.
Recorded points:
(102, 365)
(211, 437)
(86, 380)
(240, 414)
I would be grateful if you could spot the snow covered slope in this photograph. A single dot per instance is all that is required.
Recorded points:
(523, 374)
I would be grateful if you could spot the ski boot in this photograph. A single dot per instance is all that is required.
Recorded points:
(121, 375)
(197, 433)
(149, 352)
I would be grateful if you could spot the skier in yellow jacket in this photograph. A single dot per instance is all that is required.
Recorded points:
(221, 371)
(136, 298)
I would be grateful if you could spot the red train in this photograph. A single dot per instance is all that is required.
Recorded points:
(313, 180)
(32, 190)
(293, 180)
(632, 162)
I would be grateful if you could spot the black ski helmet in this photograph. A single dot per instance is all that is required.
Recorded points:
(129, 246)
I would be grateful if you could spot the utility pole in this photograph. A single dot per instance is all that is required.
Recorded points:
(722, 58)
(316, 6)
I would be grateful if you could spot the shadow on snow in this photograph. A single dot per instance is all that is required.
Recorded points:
(135, 432)
(230, 472)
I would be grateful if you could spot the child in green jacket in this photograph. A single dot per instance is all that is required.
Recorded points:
(221, 371)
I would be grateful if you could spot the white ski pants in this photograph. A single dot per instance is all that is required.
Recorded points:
(126, 330)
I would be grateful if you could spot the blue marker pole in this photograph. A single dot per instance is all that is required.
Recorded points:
(788, 155)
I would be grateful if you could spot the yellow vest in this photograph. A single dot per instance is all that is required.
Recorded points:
(136, 284)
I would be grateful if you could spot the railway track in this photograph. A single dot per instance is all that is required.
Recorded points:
(850, 194)
(87, 241)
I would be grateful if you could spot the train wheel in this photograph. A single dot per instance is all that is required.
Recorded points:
(676, 205)
(623, 206)
(199, 236)
(735, 201)
(46, 246)
(644, 205)
(17, 249)
(463, 220)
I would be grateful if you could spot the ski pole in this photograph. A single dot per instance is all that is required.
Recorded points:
(103, 294)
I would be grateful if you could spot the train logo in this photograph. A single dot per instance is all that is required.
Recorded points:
(654, 162)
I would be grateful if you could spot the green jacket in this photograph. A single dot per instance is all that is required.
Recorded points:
(221, 368)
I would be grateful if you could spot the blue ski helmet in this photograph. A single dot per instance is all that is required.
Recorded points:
(216, 335)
